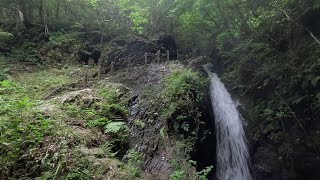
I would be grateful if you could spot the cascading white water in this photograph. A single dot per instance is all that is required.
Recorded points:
(232, 150)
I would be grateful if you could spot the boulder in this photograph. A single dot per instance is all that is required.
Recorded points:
(85, 98)
(48, 109)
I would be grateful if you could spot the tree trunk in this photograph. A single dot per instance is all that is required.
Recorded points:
(222, 13)
(24, 11)
(40, 9)
(57, 13)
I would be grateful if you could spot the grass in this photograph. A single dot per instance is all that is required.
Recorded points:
(39, 83)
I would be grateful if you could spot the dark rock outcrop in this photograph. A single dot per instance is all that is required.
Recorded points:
(133, 52)
(89, 52)
(149, 128)
(168, 42)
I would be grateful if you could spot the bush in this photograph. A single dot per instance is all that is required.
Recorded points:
(183, 88)
(134, 164)
(3, 75)
(5, 36)
(27, 53)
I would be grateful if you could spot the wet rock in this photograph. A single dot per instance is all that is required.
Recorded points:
(197, 62)
(147, 140)
(266, 163)
(131, 54)
(119, 42)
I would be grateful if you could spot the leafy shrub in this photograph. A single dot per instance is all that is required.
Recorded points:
(183, 88)
(5, 36)
(21, 127)
(202, 175)
(181, 155)
(5, 40)
(178, 175)
(58, 39)
(115, 127)
(27, 53)
(139, 123)
(79, 170)
(99, 122)
(134, 163)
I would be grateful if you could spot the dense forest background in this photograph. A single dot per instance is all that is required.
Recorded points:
(266, 51)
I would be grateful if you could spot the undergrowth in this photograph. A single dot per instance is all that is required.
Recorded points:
(182, 95)
(182, 88)
(22, 129)
(37, 145)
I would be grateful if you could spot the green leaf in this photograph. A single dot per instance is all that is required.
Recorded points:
(6, 83)
(114, 127)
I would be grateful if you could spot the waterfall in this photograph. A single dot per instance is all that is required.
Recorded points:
(232, 150)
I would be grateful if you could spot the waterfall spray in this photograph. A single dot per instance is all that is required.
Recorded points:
(232, 150)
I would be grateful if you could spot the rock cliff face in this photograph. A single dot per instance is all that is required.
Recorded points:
(132, 53)
(151, 133)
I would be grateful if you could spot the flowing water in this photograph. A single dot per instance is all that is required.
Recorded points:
(232, 150)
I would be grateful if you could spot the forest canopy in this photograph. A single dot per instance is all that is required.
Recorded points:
(199, 23)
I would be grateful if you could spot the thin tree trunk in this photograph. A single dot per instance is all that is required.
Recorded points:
(40, 9)
(45, 13)
(57, 13)
(222, 13)
(24, 11)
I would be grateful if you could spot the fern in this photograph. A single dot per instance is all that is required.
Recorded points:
(114, 127)
(100, 122)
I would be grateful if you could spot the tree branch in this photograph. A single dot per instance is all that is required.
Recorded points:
(310, 33)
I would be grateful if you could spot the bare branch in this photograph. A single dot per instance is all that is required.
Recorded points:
(310, 33)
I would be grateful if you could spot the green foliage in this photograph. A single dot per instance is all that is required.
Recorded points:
(35, 144)
(27, 53)
(139, 123)
(178, 175)
(5, 36)
(59, 39)
(100, 122)
(134, 163)
(21, 127)
(115, 127)
(180, 159)
(202, 175)
(107, 148)
(80, 169)
(138, 21)
(183, 82)
(181, 89)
